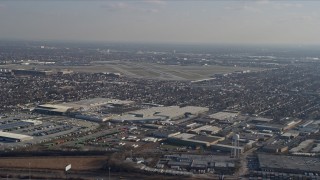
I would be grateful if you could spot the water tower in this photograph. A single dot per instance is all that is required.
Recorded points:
(235, 152)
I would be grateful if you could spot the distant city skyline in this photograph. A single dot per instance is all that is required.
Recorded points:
(163, 21)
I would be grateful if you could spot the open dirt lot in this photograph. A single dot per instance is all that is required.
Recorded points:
(54, 163)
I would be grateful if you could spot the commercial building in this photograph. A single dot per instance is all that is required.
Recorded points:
(12, 137)
(160, 113)
(52, 109)
(224, 116)
(83, 106)
(87, 104)
(207, 129)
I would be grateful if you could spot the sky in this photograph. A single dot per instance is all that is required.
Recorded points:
(163, 21)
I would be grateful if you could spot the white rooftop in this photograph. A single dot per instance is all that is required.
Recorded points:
(54, 107)
(212, 129)
(161, 113)
(21, 137)
(223, 115)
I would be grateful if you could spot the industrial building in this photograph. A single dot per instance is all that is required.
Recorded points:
(302, 146)
(160, 113)
(194, 140)
(316, 148)
(83, 106)
(290, 135)
(306, 123)
(152, 126)
(287, 125)
(224, 116)
(206, 129)
(96, 102)
(275, 148)
(289, 164)
(309, 128)
(227, 148)
(199, 162)
(291, 124)
(165, 133)
(12, 137)
(271, 127)
(52, 109)
(205, 121)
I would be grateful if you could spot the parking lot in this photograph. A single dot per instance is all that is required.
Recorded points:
(41, 128)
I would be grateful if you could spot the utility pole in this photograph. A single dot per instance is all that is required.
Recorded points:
(29, 172)
(109, 172)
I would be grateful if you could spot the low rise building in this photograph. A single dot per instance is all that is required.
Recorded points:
(289, 164)
(165, 133)
(227, 148)
(290, 135)
(275, 148)
(194, 140)
(207, 129)
(224, 116)
(52, 109)
(160, 114)
(302, 146)
(13, 137)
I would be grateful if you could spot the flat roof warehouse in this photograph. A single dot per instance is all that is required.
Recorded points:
(6, 136)
(64, 108)
(290, 164)
(160, 113)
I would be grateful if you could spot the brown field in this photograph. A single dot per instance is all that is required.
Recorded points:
(54, 163)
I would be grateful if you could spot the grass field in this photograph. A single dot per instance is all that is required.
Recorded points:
(145, 70)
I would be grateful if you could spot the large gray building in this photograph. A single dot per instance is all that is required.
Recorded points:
(289, 164)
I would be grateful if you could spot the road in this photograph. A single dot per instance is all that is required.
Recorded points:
(244, 163)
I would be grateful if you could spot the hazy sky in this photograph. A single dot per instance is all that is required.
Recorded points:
(166, 21)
